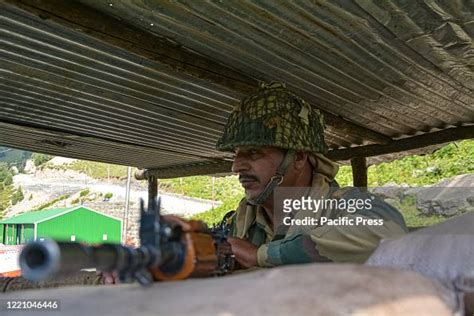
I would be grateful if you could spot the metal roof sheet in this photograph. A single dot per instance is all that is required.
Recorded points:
(150, 84)
(33, 217)
(36, 217)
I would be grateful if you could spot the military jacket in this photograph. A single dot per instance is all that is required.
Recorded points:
(331, 243)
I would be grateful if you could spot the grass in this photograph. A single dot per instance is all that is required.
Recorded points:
(204, 187)
(52, 202)
(99, 170)
(413, 217)
(215, 215)
(417, 170)
(225, 189)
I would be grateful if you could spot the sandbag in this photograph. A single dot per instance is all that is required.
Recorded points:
(309, 289)
(444, 252)
(20, 283)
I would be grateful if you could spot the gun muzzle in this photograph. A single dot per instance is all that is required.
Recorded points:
(41, 260)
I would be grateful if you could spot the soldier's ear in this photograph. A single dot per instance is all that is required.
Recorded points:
(300, 160)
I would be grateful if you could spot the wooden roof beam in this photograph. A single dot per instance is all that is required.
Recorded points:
(420, 141)
(414, 142)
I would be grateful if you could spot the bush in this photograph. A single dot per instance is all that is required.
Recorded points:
(39, 159)
(84, 192)
(108, 196)
(5, 197)
(52, 202)
(8, 180)
(5, 174)
(17, 196)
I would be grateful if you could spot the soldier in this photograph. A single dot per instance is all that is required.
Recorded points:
(278, 140)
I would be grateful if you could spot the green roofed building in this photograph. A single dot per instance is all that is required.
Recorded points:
(77, 223)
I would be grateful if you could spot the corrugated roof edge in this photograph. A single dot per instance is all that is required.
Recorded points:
(75, 208)
(48, 214)
(25, 218)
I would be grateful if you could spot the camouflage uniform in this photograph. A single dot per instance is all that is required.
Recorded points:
(276, 117)
(302, 244)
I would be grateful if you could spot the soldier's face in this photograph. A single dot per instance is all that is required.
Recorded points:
(255, 166)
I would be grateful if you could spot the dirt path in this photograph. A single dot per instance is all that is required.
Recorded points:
(46, 185)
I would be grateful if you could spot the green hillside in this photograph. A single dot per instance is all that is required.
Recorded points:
(448, 161)
(99, 170)
(14, 157)
(8, 194)
(9, 157)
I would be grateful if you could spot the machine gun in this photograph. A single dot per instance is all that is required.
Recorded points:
(171, 249)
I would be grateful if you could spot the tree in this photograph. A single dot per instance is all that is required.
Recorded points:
(39, 159)
(4, 172)
(17, 196)
(8, 180)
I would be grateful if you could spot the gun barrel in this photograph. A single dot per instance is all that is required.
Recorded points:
(41, 260)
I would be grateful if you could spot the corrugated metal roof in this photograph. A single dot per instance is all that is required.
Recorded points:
(43, 215)
(33, 217)
(337, 55)
(150, 84)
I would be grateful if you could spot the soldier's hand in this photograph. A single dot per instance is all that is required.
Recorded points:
(245, 252)
(108, 277)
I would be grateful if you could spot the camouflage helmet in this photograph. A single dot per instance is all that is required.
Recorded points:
(273, 116)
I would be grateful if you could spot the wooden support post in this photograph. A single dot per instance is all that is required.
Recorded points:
(127, 204)
(359, 171)
(152, 189)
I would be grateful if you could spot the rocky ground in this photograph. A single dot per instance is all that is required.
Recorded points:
(450, 197)
(46, 185)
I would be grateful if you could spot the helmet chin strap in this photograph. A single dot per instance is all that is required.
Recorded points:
(276, 180)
